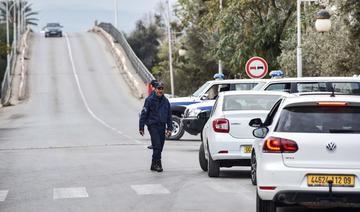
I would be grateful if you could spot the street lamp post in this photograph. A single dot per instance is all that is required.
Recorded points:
(14, 26)
(7, 33)
(220, 62)
(322, 24)
(170, 50)
(298, 49)
(19, 17)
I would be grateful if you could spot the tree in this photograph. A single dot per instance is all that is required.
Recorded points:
(246, 28)
(324, 54)
(24, 6)
(145, 40)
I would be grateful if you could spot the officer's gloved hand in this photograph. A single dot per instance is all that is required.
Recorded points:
(141, 132)
(168, 133)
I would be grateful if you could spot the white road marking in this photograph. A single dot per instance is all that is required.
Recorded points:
(83, 96)
(67, 193)
(149, 189)
(3, 195)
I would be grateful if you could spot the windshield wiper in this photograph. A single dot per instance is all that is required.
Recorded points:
(343, 131)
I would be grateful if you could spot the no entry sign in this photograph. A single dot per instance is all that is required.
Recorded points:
(256, 67)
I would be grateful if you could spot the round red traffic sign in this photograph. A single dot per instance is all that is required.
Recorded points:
(256, 67)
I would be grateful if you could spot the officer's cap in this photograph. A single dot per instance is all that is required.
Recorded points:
(154, 83)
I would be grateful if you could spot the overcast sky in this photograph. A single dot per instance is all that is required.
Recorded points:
(79, 15)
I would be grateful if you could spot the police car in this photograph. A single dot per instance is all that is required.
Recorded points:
(207, 92)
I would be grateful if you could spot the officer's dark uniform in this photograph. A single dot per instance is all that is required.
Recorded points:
(156, 114)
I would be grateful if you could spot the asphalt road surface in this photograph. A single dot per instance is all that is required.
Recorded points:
(73, 145)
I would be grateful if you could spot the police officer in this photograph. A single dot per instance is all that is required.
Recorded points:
(153, 84)
(156, 115)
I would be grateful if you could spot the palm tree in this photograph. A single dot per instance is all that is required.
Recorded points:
(24, 6)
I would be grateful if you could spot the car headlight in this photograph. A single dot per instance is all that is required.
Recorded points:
(194, 112)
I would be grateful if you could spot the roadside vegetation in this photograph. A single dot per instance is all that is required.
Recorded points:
(30, 19)
(243, 29)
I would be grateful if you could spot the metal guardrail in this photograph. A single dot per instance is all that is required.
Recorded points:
(140, 68)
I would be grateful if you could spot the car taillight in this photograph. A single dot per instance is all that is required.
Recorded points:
(280, 145)
(221, 125)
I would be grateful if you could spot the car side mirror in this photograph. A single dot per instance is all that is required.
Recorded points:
(205, 97)
(255, 122)
(260, 132)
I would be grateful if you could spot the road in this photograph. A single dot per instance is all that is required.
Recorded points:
(73, 144)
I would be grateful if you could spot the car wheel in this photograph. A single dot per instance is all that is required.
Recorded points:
(264, 205)
(213, 167)
(60, 35)
(202, 160)
(178, 129)
(253, 168)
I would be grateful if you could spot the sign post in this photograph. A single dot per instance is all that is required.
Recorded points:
(256, 67)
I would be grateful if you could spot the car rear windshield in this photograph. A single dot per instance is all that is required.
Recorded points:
(249, 102)
(244, 86)
(340, 87)
(315, 119)
(53, 25)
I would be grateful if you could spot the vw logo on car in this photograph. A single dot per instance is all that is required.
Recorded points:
(331, 146)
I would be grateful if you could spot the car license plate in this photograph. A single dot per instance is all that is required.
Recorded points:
(338, 180)
(247, 148)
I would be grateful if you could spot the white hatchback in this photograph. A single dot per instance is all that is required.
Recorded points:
(227, 138)
(308, 153)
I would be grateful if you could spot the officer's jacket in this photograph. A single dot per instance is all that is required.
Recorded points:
(156, 111)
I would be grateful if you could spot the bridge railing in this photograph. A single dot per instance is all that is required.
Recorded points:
(118, 37)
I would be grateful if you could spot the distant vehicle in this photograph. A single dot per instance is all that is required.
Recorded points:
(306, 153)
(208, 91)
(53, 29)
(227, 138)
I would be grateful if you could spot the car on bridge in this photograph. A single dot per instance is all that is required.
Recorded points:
(53, 29)
(306, 152)
(227, 138)
(207, 92)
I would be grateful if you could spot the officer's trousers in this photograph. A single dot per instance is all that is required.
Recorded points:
(157, 134)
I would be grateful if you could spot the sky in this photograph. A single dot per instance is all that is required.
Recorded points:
(80, 15)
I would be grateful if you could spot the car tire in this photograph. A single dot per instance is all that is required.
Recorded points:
(202, 159)
(253, 167)
(213, 167)
(264, 205)
(60, 35)
(178, 129)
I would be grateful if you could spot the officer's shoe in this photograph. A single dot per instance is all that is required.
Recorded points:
(159, 166)
(153, 166)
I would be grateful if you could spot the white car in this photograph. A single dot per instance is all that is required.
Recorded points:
(227, 138)
(307, 152)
